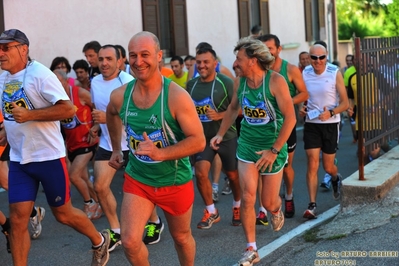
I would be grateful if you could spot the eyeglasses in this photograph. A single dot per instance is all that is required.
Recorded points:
(320, 57)
(6, 48)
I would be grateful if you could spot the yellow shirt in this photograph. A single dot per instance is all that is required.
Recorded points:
(180, 81)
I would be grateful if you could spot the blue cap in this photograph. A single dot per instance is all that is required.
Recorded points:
(14, 35)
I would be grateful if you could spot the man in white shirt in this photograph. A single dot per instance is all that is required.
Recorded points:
(102, 85)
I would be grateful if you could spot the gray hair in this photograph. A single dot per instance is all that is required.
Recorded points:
(256, 49)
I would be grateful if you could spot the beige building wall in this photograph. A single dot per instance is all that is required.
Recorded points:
(215, 22)
(61, 28)
(287, 21)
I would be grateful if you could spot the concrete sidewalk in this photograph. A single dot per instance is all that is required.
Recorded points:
(363, 234)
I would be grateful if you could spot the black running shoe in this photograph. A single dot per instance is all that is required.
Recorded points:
(114, 240)
(5, 232)
(153, 234)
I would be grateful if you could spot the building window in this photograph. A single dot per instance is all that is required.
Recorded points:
(251, 13)
(167, 19)
(315, 25)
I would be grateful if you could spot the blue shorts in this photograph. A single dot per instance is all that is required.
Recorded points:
(24, 179)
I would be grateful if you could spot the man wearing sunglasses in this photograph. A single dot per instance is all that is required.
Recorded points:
(33, 102)
(327, 99)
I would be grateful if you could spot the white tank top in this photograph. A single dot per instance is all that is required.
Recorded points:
(322, 92)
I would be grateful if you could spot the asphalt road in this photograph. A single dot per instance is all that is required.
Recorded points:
(220, 245)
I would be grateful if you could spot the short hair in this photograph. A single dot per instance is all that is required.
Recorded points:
(303, 52)
(59, 60)
(336, 62)
(122, 52)
(177, 58)
(268, 37)
(322, 43)
(81, 64)
(254, 48)
(351, 56)
(204, 50)
(189, 57)
(256, 30)
(202, 45)
(94, 45)
(121, 49)
(117, 53)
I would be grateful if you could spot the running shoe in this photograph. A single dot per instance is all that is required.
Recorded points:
(289, 208)
(98, 213)
(90, 209)
(101, 254)
(277, 221)
(114, 240)
(327, 178)
(337, 187)
(326, 182)
(310, 213)
(35, 222)
(5, 232)
(208, 219)
(226, 188)
(249, 257)
(236, 220)
(153, 234)
(215, 194)
(261, 219)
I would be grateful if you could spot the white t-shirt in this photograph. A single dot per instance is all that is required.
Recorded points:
(34, 87)
(322, 92)
(100, 92)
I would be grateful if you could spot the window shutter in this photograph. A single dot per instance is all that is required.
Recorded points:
(322, 14)
(2, 22)
(308, 20)
(322, 19)
(244, 7)
(151, 16)
(179, 20)
(264, 16)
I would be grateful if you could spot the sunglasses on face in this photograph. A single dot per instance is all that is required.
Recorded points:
(320, 57)
(5, 48)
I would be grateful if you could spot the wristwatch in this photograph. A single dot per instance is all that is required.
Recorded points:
(332, 113)
(275, 151)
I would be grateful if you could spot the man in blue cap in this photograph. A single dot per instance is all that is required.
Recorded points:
(33, 102)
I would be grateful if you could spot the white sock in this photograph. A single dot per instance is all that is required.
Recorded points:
(253, 245)
(156, 222)
(211, 208)
(262, 209)
(117, 230)
(215, 186)
(102, 241)
(236, 204)
(288, 197)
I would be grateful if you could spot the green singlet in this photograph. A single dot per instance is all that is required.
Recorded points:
(163, 130)
(261, 124)
(284, 72)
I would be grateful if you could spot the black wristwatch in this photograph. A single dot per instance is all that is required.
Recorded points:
(275, 151)
(332, 113)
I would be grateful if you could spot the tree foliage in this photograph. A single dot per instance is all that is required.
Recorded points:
(392, 18)
(362, 18)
